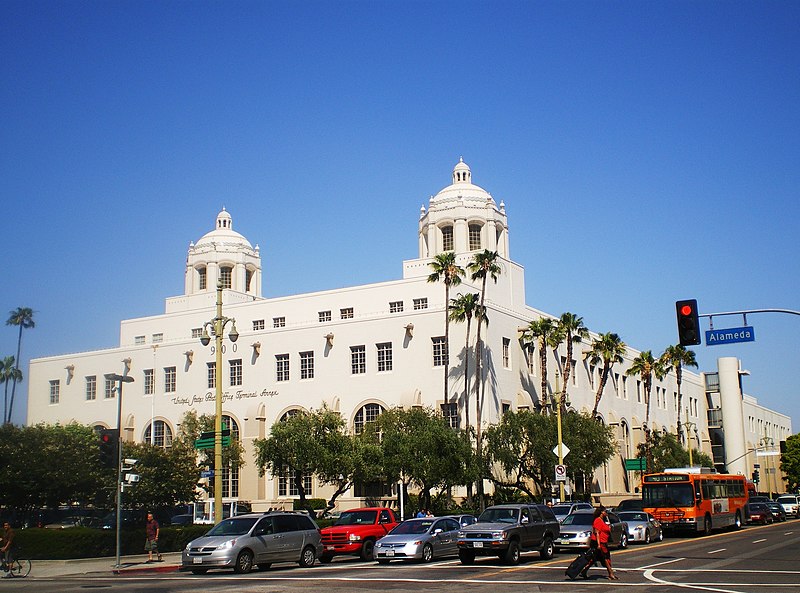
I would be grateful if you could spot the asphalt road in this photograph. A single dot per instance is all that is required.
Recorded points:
(752, 560)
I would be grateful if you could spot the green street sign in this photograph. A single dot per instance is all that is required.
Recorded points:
(638, 464)
(208, 442)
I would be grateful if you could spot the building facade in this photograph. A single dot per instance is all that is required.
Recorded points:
(362, 350)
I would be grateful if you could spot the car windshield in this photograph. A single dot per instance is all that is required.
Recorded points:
(787, 500)
(579, 519)
(668, 495)
(561, 510)
(412, 527)
(631, 516)
(498, 516)
(757, 506)
(357, 518)
(235, 526)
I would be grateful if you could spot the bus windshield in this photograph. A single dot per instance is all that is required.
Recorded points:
(667, 495)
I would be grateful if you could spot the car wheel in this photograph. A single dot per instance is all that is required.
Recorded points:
(199, 570)
(308, 557)
(466, 557)
(623, 541)
(427, 553)
(547, 550)
(512, 553)
(647, 536)
(264, 565)
(326, 558)
(368, 550)
(244, 562)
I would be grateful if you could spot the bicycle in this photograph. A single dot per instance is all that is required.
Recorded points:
(17, 567)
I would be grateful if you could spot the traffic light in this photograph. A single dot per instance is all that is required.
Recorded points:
(109, 447)
(756, 477)
(688, 322)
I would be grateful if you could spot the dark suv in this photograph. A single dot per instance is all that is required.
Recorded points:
(507, 530)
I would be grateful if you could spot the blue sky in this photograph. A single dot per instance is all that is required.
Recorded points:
(645, 151)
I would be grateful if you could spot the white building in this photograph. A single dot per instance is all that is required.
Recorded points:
(361, 350)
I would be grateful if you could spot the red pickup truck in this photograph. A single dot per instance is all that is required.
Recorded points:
(356, 531)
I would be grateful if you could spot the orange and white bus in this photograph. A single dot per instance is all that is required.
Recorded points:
(686, 499)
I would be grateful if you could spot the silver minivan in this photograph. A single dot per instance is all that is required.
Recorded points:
(250, 540)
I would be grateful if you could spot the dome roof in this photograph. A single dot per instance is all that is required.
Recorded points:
(223, 233)
(462, 187)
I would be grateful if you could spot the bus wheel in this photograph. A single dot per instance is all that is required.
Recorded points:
(737, 523)
(707, 525)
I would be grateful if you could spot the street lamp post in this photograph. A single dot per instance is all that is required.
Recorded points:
(119, 379)
(766, 442)
(559, 402)
(689, 426)
(217, 327)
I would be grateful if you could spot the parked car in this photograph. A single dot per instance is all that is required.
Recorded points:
(422, 539)
(465, 520)
(776, 509)
(642, 527)
(506, 530)
(182, 520)
(629, 504)
(562, 509)
(254, 539)
(790, 504)
(759, 513)
(576, 529)
(759, 498)
(356, 531)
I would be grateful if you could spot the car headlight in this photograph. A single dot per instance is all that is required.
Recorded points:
(354, 537)
(462, 534)
(227, 545)
(378, 545)
(188, 546)
(498, 535)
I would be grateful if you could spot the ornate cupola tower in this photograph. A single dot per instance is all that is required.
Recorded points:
(223, 254)
(462, 218)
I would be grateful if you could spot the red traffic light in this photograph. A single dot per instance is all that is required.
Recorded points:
(688, 322)
(686, 310)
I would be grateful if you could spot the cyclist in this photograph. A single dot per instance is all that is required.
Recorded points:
(8, 548)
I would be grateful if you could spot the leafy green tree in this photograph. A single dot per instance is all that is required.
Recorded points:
(790, 463)
(541, 333)
(465, 308)
(8, 372)
(168, 477)
(665, 451)
(23, 318)
(570, 330)
(520, 448)
(446, 270)
(420, 448)
(645, 366)
(609, 349)
(677, 357)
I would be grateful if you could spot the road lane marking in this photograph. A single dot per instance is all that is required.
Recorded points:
(716, 551)
(758, 541)
(659, 564)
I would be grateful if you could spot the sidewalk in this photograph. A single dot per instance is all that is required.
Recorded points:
(105, 566)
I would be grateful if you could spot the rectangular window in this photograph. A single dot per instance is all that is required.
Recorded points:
(170, 379)
(212, 375)
(447, 238)
(225, 276)
(384, 353)
(55, 391)
(530, 360)
(506, 353)
(474, 237)
(149, 382)
(396, 307)
(91, 387)
(197, 332)
(505, 409)
(306, 365)
(439, 354)
(624, 387)
(158, 338)
(281, 367)
(324, 316)
(616, 384)
(450, 413)
(638, 391)
(109, 391)
(592, 371)
(346, 313)
(420, 304)
(138, 340)
(258, 324)
(279, 322)
(288, 487)
(358, 360)
(202, 283)
(236, 372)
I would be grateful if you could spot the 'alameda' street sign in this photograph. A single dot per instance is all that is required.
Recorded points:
(730, 335)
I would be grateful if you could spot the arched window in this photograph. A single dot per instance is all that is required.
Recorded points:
(367, 413)
(226, 276)
(290, 413)
(161, 436)
(447, 238)
(474, 237)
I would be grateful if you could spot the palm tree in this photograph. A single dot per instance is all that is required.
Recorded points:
(609, 349)
(464, 308)
(543, 332)
(569, 329)
(675, 358)
(7, 372)
(445, 269)
(645, 365)
(23, 317)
